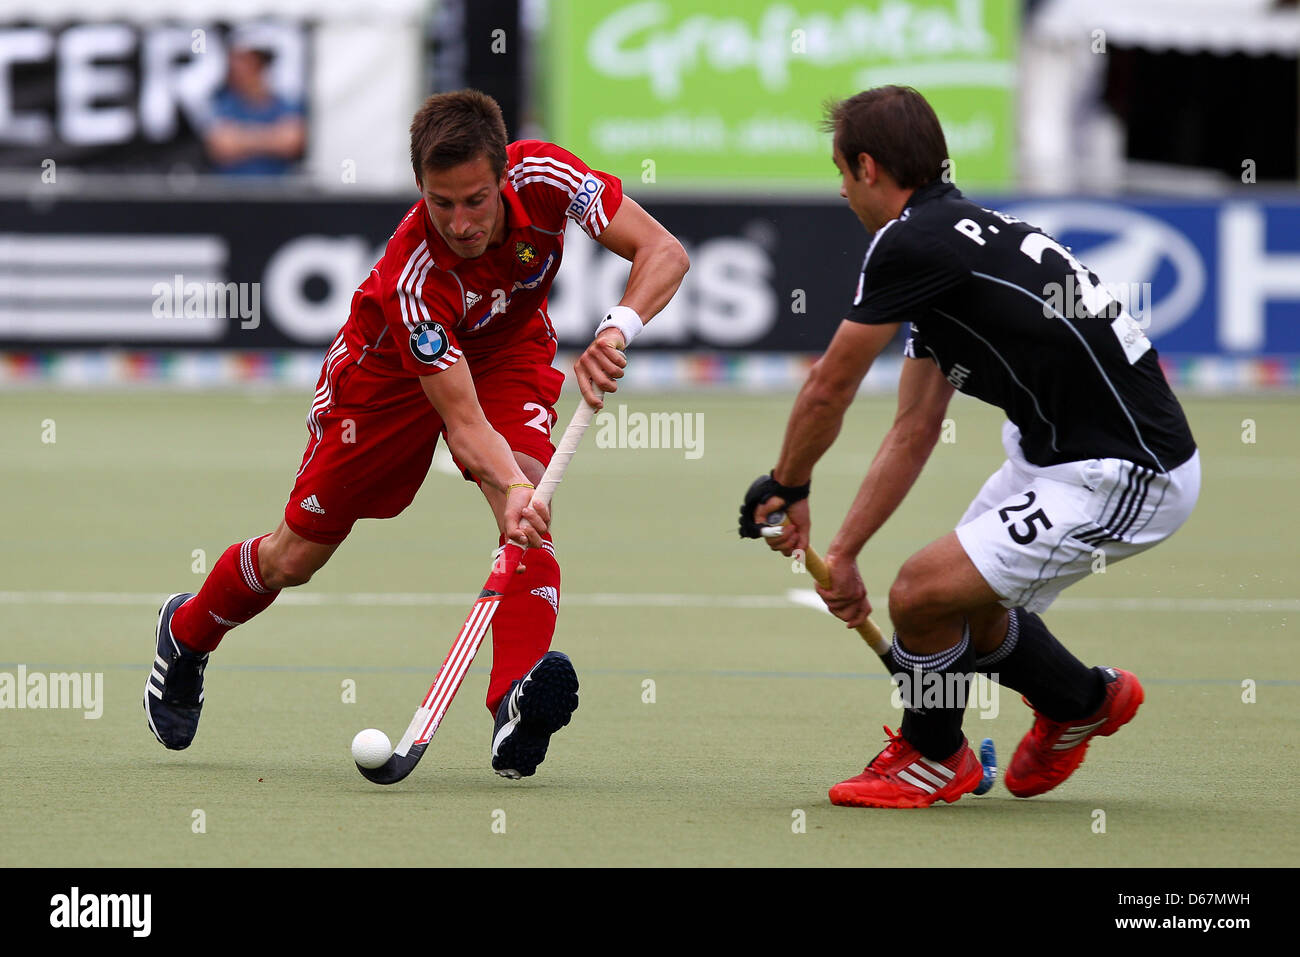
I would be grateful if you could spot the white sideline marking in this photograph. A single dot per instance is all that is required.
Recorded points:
(371, 599)
(809, 598)
(794, 597)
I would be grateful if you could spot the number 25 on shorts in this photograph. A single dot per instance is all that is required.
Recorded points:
(1029, 532)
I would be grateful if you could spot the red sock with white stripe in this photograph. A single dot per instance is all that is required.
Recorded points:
(231, 594)
(525, 621)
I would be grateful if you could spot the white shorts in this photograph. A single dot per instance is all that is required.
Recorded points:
(1032, 531)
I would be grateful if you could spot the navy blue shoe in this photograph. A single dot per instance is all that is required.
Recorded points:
(539, 704)
(173, 695)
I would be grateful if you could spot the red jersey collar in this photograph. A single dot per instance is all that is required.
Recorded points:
(516, 219)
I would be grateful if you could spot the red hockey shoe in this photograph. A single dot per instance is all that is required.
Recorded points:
(1050, 752)
(900, 776)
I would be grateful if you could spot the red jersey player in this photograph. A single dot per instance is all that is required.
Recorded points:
(447, 335)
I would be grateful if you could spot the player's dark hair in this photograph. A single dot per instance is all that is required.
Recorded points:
(896, 127)
(454, 128)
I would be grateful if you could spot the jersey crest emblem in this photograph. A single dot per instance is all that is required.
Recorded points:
(526, 252)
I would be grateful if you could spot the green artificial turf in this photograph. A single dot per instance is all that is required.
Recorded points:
(759, 703)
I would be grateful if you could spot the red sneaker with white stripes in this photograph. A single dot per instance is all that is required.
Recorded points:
(900, 776)
(1050, 752)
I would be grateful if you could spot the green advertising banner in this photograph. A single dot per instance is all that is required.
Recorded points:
(725, 93)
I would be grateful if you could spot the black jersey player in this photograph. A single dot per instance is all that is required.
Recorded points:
(1099, 455)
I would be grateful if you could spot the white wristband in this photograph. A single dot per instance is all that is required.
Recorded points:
(625, 320)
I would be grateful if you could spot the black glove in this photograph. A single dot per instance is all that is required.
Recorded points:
(763, 488)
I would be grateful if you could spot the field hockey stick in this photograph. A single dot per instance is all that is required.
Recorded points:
(456, 665)
(816, 566)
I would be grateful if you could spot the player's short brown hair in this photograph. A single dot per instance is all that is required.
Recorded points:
(896, 127)
(454, 128)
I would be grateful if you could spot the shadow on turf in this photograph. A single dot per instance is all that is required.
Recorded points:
(436, 780)
(1036, 808)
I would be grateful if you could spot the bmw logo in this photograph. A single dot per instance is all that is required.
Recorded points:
(429, 342)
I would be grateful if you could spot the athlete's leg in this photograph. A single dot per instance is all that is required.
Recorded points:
(243, 583)
(1034, 536)
(931, 661)
(288, 559)
(524, 624)
(532, 692)
(939, 591)
(934, 593)
(1014, 648)
(517, 390)
(988, 627)
(370, 442)
(933, 654)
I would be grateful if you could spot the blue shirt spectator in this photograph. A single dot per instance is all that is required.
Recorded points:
(254, 132)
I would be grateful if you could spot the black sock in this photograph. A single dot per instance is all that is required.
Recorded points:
(934, 691)
(1031, 661)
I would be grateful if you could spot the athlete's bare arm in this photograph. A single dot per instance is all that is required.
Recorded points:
(658, 264)
(816, 418)
(923, 396)
(484, 452)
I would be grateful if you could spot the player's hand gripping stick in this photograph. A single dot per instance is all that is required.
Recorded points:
(869, 631)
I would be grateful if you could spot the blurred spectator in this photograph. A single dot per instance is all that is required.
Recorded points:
(254, 132)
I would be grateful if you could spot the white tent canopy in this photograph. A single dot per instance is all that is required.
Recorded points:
(1256, 27)
(1067, 140)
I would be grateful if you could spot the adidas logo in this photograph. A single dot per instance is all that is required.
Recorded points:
(471, 299)
(1075, 735)
(550, 594)
(226, 622)
(312, 505)
(927, 775)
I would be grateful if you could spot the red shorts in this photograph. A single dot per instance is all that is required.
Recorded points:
(371, 437)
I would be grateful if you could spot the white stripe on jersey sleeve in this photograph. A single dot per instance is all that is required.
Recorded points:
(558, 184)
(521, 171)
(563, 176)
(564, 170)
(450, 359)
(403, 282)
(419, 288)
(599, 210)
